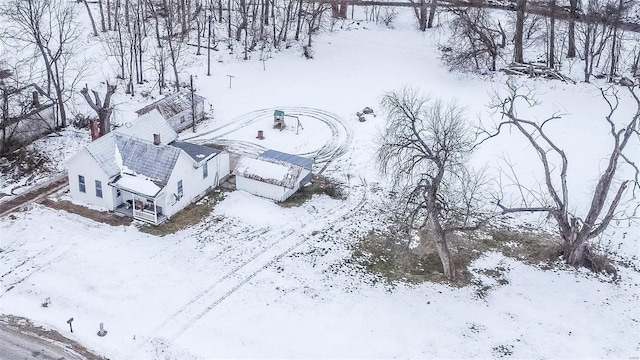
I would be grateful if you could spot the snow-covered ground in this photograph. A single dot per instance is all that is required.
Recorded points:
(256, 280)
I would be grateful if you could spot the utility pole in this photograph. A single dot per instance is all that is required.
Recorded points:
(193, 107)
(209, 49)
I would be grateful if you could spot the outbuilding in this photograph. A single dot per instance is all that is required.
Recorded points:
(274, 175)
(179, 109)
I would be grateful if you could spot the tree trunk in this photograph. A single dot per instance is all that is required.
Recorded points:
(614, 46)
(109, 15)
(422, 15)
(103, 28)
(102, 109)
(577, 254)
(344, 4)
(299, 24)
(571, 49)
(432, 14)
(437, 235)
(587, 52)
(518, 55)
(444, 253)
(551, 60)
(93, 23)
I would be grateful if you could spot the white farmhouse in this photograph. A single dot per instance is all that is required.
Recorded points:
(273, 175)
(142, 171)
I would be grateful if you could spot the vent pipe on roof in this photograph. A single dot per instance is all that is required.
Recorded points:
(156, 139)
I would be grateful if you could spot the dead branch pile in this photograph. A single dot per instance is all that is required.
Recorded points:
(535, 70)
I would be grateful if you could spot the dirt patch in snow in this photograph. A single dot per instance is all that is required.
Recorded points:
(100, 216)
(189, 216)
(387, 255)
(318, 186)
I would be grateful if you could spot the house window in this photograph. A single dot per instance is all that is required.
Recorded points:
(180, 192)
(118, 193)
(98, 188)
(81, 184)
(205, 170)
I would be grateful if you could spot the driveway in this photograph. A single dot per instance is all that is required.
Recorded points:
(20, 339)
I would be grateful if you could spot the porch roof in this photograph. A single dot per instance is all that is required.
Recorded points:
(137, 184)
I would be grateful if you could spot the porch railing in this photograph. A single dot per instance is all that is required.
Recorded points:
(145, 215)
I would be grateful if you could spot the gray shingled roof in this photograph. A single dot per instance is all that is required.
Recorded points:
(172, 104)
(197, 152)
(288, 158)
(153, 161)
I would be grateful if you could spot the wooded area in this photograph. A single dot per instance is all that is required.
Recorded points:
(148, 41)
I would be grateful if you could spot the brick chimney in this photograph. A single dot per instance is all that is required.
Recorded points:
(36, 100)
(94, 126)
(156, 139)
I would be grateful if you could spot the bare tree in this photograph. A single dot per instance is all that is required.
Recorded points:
(596, 35)
(475, 41)
(575, 230)
(50, 27)
(424, 151)
(102, 108)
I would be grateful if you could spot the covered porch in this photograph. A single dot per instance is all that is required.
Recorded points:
(139, 198)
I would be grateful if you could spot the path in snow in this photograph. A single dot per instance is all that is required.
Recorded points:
(338, 144)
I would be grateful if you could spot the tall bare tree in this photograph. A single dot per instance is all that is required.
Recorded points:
(475, 42)
(575, 229)
(50, 28)
(424, 151)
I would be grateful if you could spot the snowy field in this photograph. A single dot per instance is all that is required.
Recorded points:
(256, 280)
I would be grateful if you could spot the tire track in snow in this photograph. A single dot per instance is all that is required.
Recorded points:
(337, 145)
(50, 255)
(43, 259)
(183, 319)
(277, 247)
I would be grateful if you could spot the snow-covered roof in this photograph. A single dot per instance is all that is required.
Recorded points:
(153, 161)
(197, 152)
(137, 184)
(171, 105)
(117, 153)
(148, 124)
(270, 171)
(289, 158)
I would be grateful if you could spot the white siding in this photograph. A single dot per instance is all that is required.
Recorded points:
(269, 191)
(193, 184)
(83, 164)
(222, 161)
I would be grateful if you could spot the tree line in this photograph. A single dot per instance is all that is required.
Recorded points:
(153, 40)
